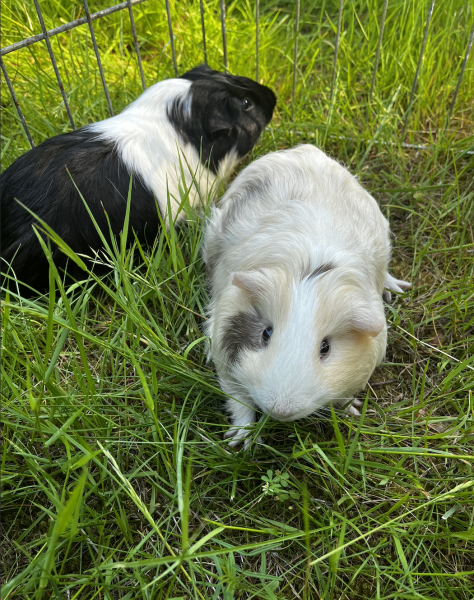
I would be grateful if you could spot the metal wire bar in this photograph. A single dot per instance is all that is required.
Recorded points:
(336, 51)
(203, 28)
(418, 67)
(257, 15)
(461, 75)
(66, 27)
(224, 36)
(135, 40)
(53, 62)
(170, 29)
(15, 102)
(425, 147)
(96, 50)
(295, 57)
(379, 48)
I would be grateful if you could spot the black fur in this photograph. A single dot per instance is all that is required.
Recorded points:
(242, 331)
(41, 178)
(214, 127)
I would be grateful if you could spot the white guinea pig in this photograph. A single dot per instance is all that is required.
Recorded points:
(297, 255)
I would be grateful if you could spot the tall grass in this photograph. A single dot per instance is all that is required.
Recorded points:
(117, 482)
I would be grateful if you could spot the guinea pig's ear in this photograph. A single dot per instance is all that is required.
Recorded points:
(364, 322)
(222, 119)
(253, 282)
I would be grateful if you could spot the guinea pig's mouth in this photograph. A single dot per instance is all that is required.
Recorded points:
(284, 419)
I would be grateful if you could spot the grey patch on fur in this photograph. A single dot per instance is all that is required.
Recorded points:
(210, 266)
(324, 268)
(211, 259)
(243, 331)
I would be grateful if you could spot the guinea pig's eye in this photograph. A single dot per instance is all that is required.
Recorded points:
(266, 335)
(324, 349)
(246, 104)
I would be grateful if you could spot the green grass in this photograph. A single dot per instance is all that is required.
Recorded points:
(116, 480)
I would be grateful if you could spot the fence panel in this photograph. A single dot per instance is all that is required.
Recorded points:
(298, 14)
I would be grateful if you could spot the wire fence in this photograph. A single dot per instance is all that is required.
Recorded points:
(89, 19)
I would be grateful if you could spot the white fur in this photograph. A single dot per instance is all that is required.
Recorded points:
(150, 147)
(285, 215)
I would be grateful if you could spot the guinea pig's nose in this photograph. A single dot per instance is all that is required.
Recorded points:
(282, 412)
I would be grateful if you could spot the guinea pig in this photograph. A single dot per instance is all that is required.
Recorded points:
(200, 125)
(297, 254)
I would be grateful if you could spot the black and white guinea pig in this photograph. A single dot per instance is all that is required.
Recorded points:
(297, 254)
(214, 119)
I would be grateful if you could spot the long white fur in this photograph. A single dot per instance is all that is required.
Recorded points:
(284, 215)
(150, 147)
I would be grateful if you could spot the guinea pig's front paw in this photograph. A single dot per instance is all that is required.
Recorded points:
(239, 434)
(243, 417)
(353, 406)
